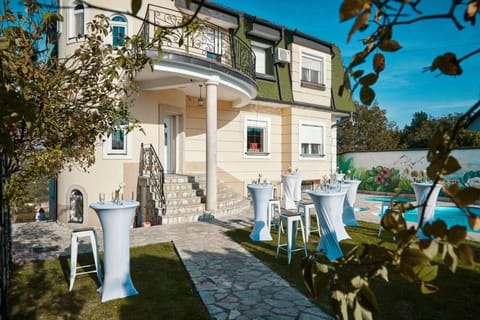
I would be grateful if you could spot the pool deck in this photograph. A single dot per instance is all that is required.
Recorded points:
(373, 207)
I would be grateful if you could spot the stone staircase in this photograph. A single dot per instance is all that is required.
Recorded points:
(185, 199)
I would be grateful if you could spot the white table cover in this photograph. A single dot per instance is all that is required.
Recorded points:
(329, 207)
(116, 220)
(261, 194)
(289, 183)
(349, 204)
(298, 187)
(421, 192)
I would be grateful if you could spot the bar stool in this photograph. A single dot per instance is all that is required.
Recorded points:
(273, 212)
(305, 208)
(76, 235)
(291, 219)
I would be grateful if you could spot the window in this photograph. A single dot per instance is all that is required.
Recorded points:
(77, 22)
(257, 137)
(263, 58)
(118, 145)
(119, 30)
(311, 139)
(312, 71)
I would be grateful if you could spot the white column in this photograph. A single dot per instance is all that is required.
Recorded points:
(211, 148)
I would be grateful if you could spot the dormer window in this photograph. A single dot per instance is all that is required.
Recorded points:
(119, 30)
(312, 74)
(263, 59)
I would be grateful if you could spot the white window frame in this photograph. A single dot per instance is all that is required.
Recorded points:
(259, 123)
(125, 153)
(118, 24)
(260, 50)
(303, 137)
(321, 60)
(73, 15)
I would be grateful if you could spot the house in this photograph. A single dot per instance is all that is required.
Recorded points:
(242, 97)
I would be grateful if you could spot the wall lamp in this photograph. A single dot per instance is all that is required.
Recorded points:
(351, 119)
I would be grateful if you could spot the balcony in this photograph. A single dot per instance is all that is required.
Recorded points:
(209, 43)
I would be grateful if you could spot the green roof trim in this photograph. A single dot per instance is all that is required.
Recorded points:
(342, 102)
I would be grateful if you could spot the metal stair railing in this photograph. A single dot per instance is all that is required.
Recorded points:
(150, 164)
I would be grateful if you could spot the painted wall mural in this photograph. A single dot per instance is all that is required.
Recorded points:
(387, 170)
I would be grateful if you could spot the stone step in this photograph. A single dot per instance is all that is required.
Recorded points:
(186, 209)
(182, 202)
(180, 194)
(185, 199)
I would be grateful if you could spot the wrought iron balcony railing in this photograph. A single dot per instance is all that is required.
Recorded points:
(208, 41)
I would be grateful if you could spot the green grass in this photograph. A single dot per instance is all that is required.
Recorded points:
(398, 299)
(40, 290)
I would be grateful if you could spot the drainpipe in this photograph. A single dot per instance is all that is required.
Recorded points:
(211, 148)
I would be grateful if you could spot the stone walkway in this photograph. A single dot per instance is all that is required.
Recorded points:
(232, 283)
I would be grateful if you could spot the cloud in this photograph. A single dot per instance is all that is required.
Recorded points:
(454, 104)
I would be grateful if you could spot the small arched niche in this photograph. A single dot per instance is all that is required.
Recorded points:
(75, 207)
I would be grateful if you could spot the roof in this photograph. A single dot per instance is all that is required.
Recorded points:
(341, 101)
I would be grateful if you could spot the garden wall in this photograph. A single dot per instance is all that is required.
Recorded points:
(384, 171)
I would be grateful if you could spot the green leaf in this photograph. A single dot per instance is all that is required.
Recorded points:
(369, 79)
(378, 62)
(431, 249)
(369, 299)
(473, 221)
(389, 45)
(426, 273)
(451, 166)
(450, 257)
(467, 196)
(448, 64)
(414, 257)
(427, 288)
(456, 234)
(357, 74)
(465, 254)
(367, 95)
(351, 8)
(307, 272)
(136, 5)
(362, 313)
(439, 229)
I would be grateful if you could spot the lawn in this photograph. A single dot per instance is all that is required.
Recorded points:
(398, 299)
(40, 290)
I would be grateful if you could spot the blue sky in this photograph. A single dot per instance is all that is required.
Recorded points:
(403, 87)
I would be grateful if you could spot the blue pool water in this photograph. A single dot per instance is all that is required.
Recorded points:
(385, 198)
(452, 216)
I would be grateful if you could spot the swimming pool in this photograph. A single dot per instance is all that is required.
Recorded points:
(452, 216)
(386, 198)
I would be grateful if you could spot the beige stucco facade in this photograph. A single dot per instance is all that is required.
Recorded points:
(175, 125)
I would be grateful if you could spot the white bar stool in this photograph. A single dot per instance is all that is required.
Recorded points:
(273, 212)
(82, 233)
(291, 219)
(307, 209)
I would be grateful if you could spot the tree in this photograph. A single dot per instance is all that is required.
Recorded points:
(371, 131)
(423, 126)
(419, 132)
(53, 109)
(348, 278)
